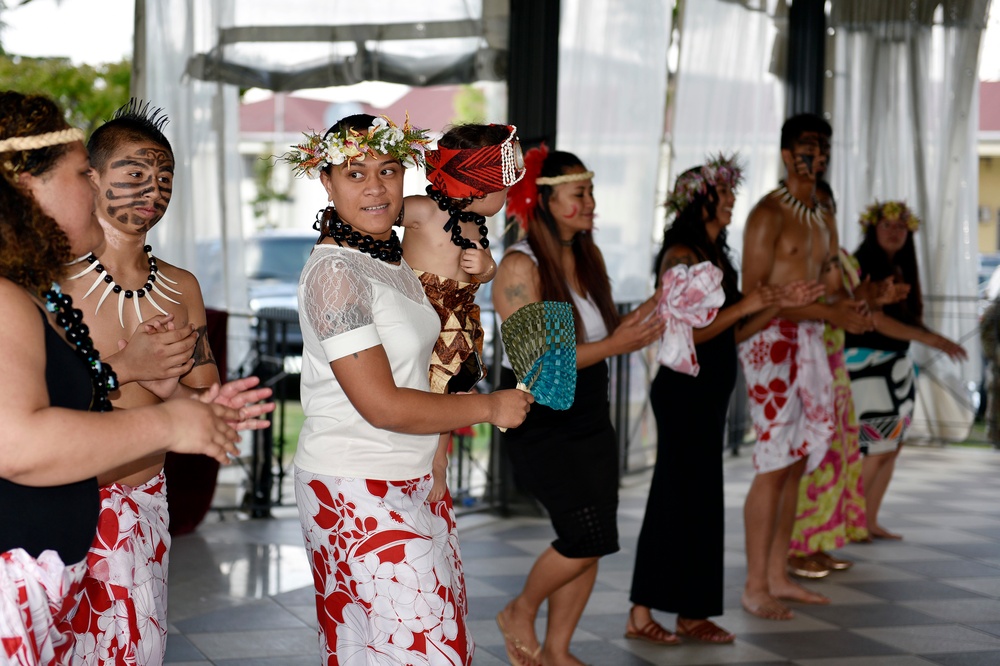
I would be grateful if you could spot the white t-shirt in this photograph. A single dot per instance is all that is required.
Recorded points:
(349, 302)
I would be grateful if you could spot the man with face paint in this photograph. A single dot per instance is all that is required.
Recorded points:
(146, 317)
(788, 237)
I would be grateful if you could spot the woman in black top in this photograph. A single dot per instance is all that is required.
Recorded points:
(53, 444)
(883, 383)
(678, 564)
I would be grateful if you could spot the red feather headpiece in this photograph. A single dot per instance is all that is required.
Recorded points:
(523, 196)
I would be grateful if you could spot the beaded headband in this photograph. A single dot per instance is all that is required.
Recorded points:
(384, 137)
(475, 172)
(690, 185)
(891, 211)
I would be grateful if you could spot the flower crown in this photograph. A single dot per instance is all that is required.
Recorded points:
(690, 185)
(890, 210)
(405, 144)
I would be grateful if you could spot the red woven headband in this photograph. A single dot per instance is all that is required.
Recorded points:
(475, 172)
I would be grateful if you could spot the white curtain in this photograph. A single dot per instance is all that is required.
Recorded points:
(611, 100)
(201, 230)
(905, 120)
(729, 97)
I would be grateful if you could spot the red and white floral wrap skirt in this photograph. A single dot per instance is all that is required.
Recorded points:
(36, 596)
(388, 571)
(791, 393)
(122, 616)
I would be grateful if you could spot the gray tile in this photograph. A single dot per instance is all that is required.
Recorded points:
(911, 590)
(992, 628)
(959, 610)
(257, 643)
(932, 639)
(907, 660)
(949, 568)
(816, 644)
(260, 615)
(985, 586)
(869, 615)
(991, 658)
(180, 649)
(982, 551)
(287, 660)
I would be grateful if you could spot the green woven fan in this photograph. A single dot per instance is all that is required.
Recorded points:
(540, 340)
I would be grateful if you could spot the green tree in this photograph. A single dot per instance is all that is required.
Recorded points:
(470, 105)
(267, 193)
(88, 93)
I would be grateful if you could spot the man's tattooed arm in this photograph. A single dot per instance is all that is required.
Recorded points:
(202, 350)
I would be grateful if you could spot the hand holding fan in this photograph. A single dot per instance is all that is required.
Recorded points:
(540, 339)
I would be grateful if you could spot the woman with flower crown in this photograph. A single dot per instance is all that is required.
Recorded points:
(678, 566)
(386, 563)
(567, 459)
(882, 379)
(53, 444)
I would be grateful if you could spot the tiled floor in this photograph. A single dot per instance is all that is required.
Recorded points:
(240, 590)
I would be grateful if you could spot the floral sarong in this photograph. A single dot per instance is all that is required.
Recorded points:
(461, 332)
(36, 595)
(831, 506)
(122, 616)
(791, 395)
(690, 298)
(387, 569)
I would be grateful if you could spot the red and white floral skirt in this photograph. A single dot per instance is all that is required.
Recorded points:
(122, 616)
(36, 595)
(387, 569)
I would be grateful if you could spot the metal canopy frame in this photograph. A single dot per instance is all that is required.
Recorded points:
(488, 62)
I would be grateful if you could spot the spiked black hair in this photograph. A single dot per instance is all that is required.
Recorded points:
(135, 121)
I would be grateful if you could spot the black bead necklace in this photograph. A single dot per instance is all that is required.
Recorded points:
(70, 319)
(389, 251)
(138, 293)
(456, 216)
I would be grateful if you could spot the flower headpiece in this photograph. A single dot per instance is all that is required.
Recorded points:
(475, 172)
(890, 210)
(690, 185)
(406, 144)
(523, 197)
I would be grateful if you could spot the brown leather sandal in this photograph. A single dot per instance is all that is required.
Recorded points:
(652, 632)
(705, 631)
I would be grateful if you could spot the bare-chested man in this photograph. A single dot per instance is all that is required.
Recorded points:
(788, 238)
(147, 319)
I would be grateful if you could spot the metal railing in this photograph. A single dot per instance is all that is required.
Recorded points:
(479, 477)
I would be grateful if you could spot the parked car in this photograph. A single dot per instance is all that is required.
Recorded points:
(274, 261)
(989, 277)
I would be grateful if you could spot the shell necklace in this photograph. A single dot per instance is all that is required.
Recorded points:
(802, 213)
(155, 279)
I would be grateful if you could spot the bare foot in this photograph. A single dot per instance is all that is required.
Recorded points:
(518, 630)
(879, 532)
(566, 659)
(789, 591)
(765, 606)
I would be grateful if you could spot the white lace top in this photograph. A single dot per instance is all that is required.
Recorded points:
(349, 302)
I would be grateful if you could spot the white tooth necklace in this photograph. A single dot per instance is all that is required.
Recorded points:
(155, 278)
